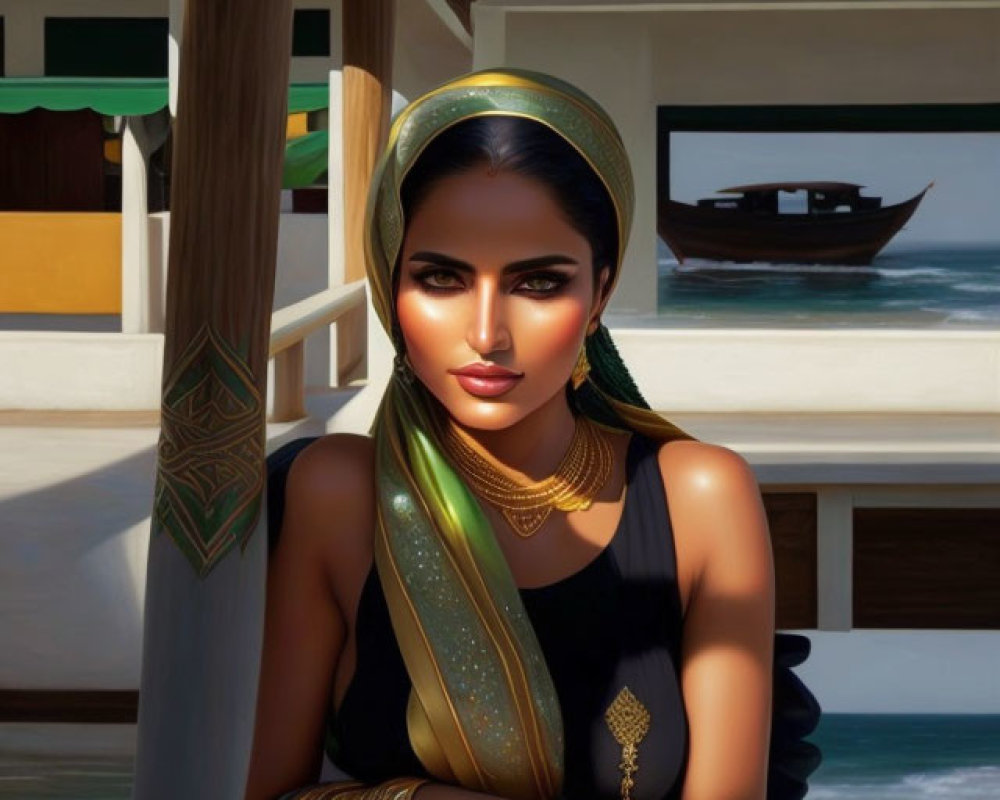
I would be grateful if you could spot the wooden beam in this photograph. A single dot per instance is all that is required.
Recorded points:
(791, 519)
(368, 34)
(926, 568)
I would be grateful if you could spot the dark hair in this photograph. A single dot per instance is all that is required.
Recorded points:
(529, 148)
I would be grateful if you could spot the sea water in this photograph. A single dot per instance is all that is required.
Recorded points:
(865, 757)
(907, 757)
(907, 286)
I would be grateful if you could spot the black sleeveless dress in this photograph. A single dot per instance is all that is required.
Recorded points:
(614, 623)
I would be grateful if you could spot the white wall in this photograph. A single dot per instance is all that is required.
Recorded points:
(426, 51)
(692, 371)
(74, 510)
(867, 371)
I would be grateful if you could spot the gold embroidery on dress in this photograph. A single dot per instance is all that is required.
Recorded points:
(628, 720)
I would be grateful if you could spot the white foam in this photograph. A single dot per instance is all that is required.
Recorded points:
(909, 272)
(964, 783)
(990, 313)
(977, 287)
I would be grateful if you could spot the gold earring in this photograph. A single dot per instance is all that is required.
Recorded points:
(580, 369)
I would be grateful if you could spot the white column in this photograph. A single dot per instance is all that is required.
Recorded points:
(637, 288)
(176, 27)
(834, 554)
(335, 205)
(335, 178)
(135, 229)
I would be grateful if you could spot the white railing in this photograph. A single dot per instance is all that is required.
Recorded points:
(289, 328)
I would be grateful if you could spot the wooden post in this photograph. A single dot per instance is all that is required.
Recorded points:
(368, 33)
(226, 186)
(368, 27)
(195, 710)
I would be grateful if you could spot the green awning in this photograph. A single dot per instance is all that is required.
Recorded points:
(120, 96)
(305, 160)
(111, 96)
(308, 97)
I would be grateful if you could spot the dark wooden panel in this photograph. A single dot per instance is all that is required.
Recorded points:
(22, 161)
(51, 161)
(791, 517)
(68, 706)
(927, 568)
(74, 179)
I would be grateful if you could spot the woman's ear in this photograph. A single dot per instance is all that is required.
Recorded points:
(601, 296)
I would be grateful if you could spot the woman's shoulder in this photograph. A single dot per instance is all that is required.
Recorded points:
(335, 470)
(344, 456)
(715, 505)
(330, 493)
(705, 465)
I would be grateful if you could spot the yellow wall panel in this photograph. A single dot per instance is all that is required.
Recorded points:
(60, 263)
(298, 125)
(113, 150)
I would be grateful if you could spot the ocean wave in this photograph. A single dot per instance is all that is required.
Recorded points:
(905, 302)
(909, 272)
(964, 783)
(977, 287)
(987, 314)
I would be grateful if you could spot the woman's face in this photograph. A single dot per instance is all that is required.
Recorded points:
(493, 278)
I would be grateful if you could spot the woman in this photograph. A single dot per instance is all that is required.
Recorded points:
(493, 580)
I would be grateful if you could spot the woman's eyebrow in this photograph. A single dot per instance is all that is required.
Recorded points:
(524, 265)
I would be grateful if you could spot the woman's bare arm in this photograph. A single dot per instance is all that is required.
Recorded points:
(728, 642)
(304, 628)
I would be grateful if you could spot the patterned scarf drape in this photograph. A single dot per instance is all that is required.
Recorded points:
(483, 711)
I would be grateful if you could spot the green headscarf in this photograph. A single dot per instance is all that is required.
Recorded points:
(483, 711)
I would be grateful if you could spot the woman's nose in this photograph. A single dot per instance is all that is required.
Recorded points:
(488, 329)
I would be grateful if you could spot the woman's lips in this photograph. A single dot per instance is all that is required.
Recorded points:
(486, 380)
(486, 386)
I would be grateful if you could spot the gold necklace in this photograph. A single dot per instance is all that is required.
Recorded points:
(577, 480)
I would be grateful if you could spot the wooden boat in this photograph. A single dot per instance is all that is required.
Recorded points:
(838, 227)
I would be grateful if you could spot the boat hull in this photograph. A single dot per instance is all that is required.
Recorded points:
(731, 235)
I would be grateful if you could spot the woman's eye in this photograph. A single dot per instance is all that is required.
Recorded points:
(440, 279)
(543, 283)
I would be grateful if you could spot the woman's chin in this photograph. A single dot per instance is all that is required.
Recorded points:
(490, 413)
(486, 415)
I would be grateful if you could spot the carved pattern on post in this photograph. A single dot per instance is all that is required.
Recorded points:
(210, 474)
